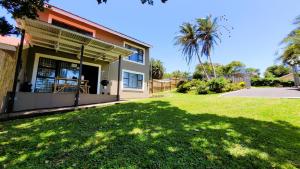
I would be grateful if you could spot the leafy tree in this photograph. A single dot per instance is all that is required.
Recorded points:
(185, 75)
(189, 43)
(277, 71)
(291, 54)
(157, 69)
(233, 67)
(253, 72)
(167, 75)
(19, 9)
(198, 74)
(29, 9)
(177, 74)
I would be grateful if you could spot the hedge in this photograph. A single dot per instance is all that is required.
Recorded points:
(272, 82)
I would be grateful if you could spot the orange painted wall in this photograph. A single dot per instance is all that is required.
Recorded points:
(99, 34)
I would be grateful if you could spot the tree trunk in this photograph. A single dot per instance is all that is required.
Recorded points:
(296, 76)
(204, 70)
(213, 67)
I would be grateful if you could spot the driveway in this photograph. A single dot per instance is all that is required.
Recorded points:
(266, 93)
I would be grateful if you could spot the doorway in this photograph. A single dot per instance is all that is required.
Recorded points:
(91, 73)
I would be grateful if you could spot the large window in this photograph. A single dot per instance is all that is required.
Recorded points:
(138, 55)
(132, 80)
(48, 69)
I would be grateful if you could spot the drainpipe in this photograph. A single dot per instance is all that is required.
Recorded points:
(77, 97)
(119, 74)
(12, 95)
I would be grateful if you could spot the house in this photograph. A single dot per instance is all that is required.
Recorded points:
(67, 60)
(288, 77)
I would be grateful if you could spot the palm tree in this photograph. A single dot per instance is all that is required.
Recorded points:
(189, 42)
(157, 69)
(208, 33)
(291, 55)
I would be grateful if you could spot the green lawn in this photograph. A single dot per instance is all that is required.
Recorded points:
(178, 131)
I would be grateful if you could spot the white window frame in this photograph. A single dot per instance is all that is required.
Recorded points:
(134, 72)
(40, 55)
(133, 45)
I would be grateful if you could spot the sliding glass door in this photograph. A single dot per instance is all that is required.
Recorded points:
(49, 69)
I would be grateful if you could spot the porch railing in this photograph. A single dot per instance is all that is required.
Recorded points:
(66, 85)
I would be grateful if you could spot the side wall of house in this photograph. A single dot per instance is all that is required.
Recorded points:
(134, 67)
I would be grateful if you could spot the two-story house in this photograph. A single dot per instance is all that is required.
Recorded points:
(64, 53)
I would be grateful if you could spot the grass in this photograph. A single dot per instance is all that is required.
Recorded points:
(178, 131)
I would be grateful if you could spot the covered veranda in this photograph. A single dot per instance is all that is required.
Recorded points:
(65, 92)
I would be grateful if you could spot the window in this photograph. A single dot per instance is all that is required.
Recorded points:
(138, 56)
(48, 69)
(72, 28)
(132, 80)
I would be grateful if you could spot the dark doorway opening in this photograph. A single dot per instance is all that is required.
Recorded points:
(90, 73)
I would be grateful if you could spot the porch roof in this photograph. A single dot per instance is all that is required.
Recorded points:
(53, 37)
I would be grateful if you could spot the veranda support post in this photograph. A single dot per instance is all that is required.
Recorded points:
(12, 94)
(119, 74)
(77, 96)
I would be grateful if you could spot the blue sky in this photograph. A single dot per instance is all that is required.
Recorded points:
(259, 26)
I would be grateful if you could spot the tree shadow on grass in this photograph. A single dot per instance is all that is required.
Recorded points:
(147, 135)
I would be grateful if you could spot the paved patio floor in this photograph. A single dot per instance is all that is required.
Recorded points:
(266, 93)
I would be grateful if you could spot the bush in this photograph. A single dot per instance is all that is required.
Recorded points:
(286, 83)
(202, 88)
(242, 84)
(271, 82)
(180, 83)
(195, 83)
(184, 87)
(218, 85)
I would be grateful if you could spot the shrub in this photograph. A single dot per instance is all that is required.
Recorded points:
(286, 83)
(218, 85)
(184, 87)
(242, 84)
(202, 88)
(272, 82)
(195, 83)
(180, 83)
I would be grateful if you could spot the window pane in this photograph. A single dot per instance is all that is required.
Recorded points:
(126, 75)
(45, 72)
(140, 77)
(133, 80)
(138, 56)
(140, 84)
(49, 63)
(44, 85)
